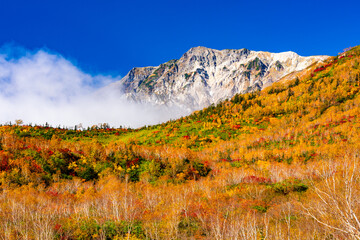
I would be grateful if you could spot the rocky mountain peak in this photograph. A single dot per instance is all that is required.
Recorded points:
(203, 76)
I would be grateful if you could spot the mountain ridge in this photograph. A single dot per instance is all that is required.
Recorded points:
(205, 76)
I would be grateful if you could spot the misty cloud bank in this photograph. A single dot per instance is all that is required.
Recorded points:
(42, 87)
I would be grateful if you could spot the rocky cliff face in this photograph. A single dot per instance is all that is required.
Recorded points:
(203, 76)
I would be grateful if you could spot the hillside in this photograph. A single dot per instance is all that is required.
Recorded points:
(281, 163)
(204, 76)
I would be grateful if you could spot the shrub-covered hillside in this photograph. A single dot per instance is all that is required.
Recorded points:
(277, 164)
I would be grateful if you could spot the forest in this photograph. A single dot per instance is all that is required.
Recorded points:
(281, 163)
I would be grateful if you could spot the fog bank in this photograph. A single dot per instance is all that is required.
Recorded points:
(43, 87)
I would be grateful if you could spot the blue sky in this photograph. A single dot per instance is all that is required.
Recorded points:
(112, 36)
(56, 55)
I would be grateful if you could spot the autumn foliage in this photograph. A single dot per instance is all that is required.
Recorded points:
(277, 164)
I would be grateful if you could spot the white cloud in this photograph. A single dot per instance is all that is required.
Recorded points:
(42, 87)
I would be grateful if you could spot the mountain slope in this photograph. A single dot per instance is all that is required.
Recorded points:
(319, 94)
(203, 76)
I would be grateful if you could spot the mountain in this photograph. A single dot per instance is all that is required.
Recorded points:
(281, 163)
(203, 76)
